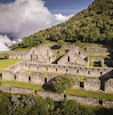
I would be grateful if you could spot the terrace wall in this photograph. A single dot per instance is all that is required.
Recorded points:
(58, 97)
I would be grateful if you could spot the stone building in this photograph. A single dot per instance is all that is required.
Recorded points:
(41, 54)
(74, 57)
(75, 62)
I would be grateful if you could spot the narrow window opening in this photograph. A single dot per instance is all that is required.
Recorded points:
(68, 59)
(31, 57)
(65, 96)
(82, 85)
(100, 102)
(100, 73)
(45, 80)
(88, 72)
(1, 76)
(29, 78)
(66, 70)
(14, 77)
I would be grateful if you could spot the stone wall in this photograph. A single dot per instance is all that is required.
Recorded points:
(92, 84)
(42, 54)
(75, 56)
(18, 54)
(109, 86)
(58, 97)
(78, 70)
(8, 75)
(20, 72)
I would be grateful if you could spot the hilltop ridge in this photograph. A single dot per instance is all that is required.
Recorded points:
(93, 24)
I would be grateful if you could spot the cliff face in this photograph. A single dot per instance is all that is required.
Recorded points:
(94, 24)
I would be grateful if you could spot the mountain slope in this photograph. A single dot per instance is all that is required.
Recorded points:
(95, 24)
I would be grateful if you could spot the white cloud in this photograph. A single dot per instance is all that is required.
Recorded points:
(61, 18)
(4, 40)
(24, 17)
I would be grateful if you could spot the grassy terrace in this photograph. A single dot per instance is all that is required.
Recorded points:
(84, 93)
(22, 85)
(6, 63)
(76, 92)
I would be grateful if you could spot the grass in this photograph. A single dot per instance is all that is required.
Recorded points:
(22, 85)
(101, 56)
(76, 92)
(59, 54)
(22, 49)
(46, 74)
(81, 78)
(6, 63)
(84, 93)
(91, 64)
(30, 72)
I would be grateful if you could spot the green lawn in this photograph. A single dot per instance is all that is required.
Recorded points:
(84, 93)
(23, 85)
(6, 63)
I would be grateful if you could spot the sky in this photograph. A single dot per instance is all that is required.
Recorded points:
(66, 7)
(20, 18)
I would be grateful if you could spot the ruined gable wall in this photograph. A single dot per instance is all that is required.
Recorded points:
(72, 58)
(41, 55)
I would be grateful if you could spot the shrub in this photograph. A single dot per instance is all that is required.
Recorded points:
(61, 83)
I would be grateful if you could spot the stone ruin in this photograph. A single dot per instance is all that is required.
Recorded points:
(74, 62)
(75, 57)
(41, 55)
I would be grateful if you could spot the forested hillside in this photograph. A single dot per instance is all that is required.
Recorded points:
(95, 24)
(18, 104)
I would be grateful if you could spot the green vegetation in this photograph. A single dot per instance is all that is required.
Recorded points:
(61, 83)
(11, 104)
(6, 63)
(46, 74)
(91, 64)
(81, 78)
(98, 95)
(23, 85)
(91, 25)
(70, 91)
(95, 64)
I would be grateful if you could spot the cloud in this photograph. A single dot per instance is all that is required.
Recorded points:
(61, 18)
(24, 17)
(4, 40)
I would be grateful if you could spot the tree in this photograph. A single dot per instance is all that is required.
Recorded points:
(61, 83)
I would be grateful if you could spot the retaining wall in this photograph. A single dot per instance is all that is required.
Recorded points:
(58, 97)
